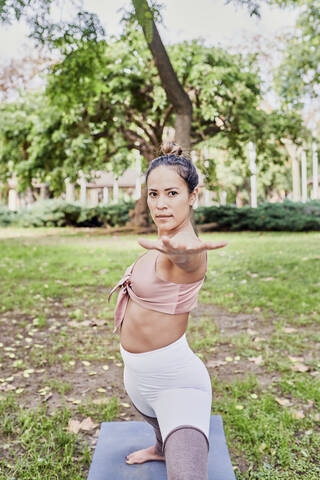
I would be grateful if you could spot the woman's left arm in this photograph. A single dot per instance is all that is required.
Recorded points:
(182, 252)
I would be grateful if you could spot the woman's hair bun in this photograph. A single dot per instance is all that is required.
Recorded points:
(171, 148)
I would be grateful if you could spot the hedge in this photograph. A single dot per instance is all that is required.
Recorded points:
(58, 213)
(285, 216)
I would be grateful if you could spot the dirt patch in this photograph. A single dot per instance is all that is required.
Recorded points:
(83, 383)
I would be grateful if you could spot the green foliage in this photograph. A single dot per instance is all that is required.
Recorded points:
(298, 74)
(7, 217)
(113, 215)
(58, 213)
(286, 216)
(105, 100)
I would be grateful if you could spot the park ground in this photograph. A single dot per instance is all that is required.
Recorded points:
(256, 328)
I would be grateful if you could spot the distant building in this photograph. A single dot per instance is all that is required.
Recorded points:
(104, 188)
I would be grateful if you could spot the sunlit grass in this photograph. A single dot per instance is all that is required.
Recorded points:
(54, 283)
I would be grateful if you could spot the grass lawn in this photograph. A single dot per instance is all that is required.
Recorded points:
(256, 328)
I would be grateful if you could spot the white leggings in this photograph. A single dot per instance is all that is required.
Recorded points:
(172, 384)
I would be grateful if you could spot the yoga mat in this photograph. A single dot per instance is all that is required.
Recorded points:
(117, 439)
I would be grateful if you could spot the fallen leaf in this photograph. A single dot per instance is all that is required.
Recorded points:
(46, 398)
(258, 339)
(101, 390)
(215, 363)
(73, 426)
(300, 367)
(73, 400)
(100, 401)
(105, 367)
(251, 332)
(256, 360)
(7, 388)
(284, 402)
(75, 324)
(87, 424)
(295, 359)
(126, 405)
(297, 413)
(98, 322)
(290, 330)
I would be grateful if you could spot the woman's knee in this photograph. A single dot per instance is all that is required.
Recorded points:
(186, 453)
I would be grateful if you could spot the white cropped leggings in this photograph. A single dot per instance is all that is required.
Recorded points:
(172, 384)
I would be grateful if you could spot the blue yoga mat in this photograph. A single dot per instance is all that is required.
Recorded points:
(117, 439)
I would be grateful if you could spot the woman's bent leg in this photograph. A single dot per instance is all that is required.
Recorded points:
(186, 454)
(154, 423)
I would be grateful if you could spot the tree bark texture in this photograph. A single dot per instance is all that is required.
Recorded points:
(175, 93)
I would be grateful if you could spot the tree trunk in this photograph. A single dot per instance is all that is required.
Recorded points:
(139, 216)
(183, 131)
(175, 93)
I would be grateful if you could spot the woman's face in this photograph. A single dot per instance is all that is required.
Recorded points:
(169, 200)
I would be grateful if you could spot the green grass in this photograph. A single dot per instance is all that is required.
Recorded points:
(39, 447)
(53, 288)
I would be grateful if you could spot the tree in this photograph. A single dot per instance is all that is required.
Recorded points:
(232, 115)
(105, 100)
(175, 92)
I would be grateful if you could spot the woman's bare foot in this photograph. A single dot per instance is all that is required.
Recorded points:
(141, 456)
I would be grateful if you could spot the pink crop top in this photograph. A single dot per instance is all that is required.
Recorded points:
(145, 288)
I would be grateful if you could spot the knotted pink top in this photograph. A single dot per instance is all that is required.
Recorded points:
(145, 288)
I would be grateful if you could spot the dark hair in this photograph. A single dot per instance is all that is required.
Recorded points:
(173, 158)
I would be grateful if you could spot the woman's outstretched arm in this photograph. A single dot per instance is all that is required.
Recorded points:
(183, 252)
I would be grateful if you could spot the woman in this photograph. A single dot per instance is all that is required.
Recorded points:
(167, 383)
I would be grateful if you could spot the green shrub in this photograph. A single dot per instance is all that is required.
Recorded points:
(6, 216)
(285, 216)
(58, 213)
(101, 215)
(48, 213)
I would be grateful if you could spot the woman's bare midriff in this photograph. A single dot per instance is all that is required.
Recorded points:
(143, 330)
